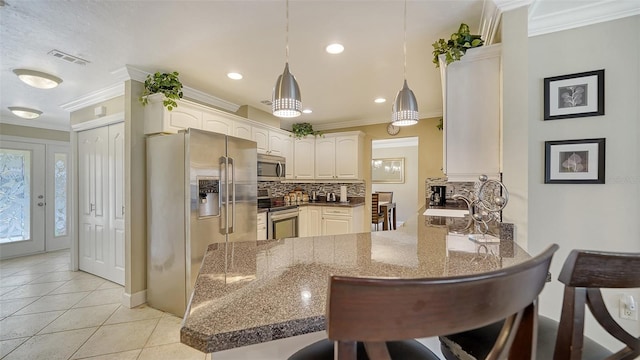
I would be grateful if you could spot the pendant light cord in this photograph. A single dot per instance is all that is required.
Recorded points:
(405, 40)
(287, 35)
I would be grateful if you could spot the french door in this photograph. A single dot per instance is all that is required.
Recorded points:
(22, 198)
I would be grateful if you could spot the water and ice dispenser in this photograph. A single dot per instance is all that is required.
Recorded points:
(208, 196)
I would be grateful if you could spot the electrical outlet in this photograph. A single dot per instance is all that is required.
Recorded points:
(626, 313)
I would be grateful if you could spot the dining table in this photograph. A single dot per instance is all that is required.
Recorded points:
(388, 210)
(250, 292)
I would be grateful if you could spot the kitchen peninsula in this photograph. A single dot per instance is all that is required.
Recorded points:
(251, 292)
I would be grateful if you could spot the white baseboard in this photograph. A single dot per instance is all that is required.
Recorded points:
(133, 300)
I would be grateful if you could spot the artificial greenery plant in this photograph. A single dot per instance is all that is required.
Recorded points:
(454, 48)
(167, 84)
(301, 130)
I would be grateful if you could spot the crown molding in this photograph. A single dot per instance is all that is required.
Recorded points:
(99, 122)
(131, 73)
(95, 97)
(506, 5)
(589, 14)
(35, 123)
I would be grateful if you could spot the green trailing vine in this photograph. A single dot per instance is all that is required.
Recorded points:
(454, 48)
(301, 130)
(167, 84)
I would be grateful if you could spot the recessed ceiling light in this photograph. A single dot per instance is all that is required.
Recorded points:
(307, 111)
(380, 100)
(234, 76)
(37, 79)
(25, 113)
(335, 48)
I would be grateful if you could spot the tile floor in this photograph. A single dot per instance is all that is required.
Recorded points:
(49, 312)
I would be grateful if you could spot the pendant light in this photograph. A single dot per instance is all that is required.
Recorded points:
(286, 100)
(405, 108)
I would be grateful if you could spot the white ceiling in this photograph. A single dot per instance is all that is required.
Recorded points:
(204, 40)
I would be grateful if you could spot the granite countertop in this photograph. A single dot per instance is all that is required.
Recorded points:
(252, 292)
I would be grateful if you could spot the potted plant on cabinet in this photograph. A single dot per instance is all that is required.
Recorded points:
(167, 84)
(454, 48)
(301, 130)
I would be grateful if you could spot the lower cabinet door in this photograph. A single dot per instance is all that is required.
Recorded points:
(335, 225)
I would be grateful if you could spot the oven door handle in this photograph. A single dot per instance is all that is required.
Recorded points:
(281, 215)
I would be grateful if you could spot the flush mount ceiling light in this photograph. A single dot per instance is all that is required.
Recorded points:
(380, 100)
(405, 108)
(234, 76)
(334, 48)
(286, 100)
(25, 113)
(37, 79)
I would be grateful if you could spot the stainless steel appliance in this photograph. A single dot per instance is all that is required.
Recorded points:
(438, 196)
(201, 190)
(271, 167)
(282, 222)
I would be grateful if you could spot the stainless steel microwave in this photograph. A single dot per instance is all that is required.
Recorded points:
(271, 167)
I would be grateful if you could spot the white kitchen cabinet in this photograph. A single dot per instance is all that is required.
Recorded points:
(217, 123)
(339, 155)
(261, 137)
(472, 114)
(157, 119)
(314, 223)
(304, 158)
(277, 143)
(303, 221)
(341, 220)
(262, 226)
(270, 141)
(242, 130)
(325, 160)
(287, 153)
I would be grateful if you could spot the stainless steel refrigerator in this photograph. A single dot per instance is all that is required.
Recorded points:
(201, 189)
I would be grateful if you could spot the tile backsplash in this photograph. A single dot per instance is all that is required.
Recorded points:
(280, 189)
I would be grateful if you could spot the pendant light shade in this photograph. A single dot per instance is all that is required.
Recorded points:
(286, 95)
(286, 101)
(405, 108)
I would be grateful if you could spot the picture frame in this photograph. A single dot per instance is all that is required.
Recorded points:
(387, 171)
(574, 95)
(575, 161)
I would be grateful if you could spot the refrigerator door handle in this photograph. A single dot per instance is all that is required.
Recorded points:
(224, 192)
(231, 181)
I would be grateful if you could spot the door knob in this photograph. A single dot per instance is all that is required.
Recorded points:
(41, 204)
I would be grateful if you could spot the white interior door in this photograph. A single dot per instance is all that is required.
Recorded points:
(101, 202)
(22, 198)
(93, 169)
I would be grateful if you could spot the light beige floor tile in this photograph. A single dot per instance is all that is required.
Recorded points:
(53, 302)
(8, 307)
(56, 346)
(7, 346)
(42, 269)
(142, 312)
(4, 290)
(17, 326)
(17, 280)
(31, 290)
(110, 339)
(102, 297)
(78, 285)
(110, 285)
(81, 318)
(125, 355)
(55, 276)
(9, 271)
(167, 331)
(171, 352)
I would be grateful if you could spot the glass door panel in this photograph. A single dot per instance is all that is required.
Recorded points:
(58, 232)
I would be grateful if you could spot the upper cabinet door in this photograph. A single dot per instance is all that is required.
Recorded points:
(242, 130)
(184, 117)
(277, 143)
(347, 157)
(472, 115)
(304, 158)
(261, 137)
(216, 123)
(325, 157)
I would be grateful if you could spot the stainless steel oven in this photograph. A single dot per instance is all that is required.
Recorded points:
(282, 222)
(271, 167)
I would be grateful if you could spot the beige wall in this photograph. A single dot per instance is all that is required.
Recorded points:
(114, 106)
(254, 114)
(576, 216)
(34, 133)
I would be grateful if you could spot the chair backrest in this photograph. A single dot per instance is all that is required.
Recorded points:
(385, 196)
(374, 310)
(584, 273)
(375, 209)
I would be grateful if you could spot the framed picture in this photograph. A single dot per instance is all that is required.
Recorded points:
(574, 161)
(387, 171)
(575, 95)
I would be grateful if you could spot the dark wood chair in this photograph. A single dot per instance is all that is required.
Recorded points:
(584, 273)
(376, 216)
(371, 318)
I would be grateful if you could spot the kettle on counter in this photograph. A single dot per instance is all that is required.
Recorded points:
(331, 196)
